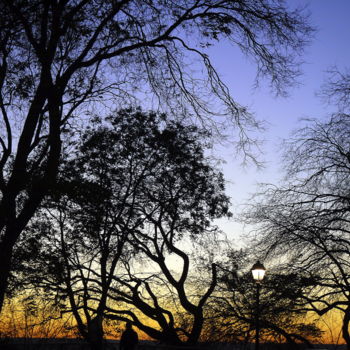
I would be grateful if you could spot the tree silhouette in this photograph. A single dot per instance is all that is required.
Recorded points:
(135, 189)
(306, 220)
(232, 308)
(59, 59)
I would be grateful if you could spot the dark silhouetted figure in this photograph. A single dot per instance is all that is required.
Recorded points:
(129, 339)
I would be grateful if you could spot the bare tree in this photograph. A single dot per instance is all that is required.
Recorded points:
(137, 186)
(57, 58)
(167, 293)
(231, 311)
(306, 220)
(337, 88)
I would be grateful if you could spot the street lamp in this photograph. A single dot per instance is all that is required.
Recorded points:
(258, 272)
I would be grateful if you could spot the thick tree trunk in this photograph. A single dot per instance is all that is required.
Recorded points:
(96, 344)
(196, 328)
(5, 268)
(345, 328)
(95, 334)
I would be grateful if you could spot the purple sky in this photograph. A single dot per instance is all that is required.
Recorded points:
(331, 46)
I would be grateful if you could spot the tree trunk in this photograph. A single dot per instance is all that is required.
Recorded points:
(345, 328)
(5, 268)
(196, 328)
(95, 334)
(96, 344)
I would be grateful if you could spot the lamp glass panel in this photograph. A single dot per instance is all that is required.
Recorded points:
(258, 274)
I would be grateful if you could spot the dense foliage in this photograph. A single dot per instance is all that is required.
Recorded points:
(136, 188)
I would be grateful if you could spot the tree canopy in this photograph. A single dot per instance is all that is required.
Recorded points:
(60, 59)
(137, 187)
(306, 219)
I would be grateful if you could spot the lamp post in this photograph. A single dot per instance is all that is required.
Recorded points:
(258, 272)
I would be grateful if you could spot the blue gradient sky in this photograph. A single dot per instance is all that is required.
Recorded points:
(330, 47)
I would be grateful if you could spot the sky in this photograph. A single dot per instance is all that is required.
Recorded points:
(329, 47)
